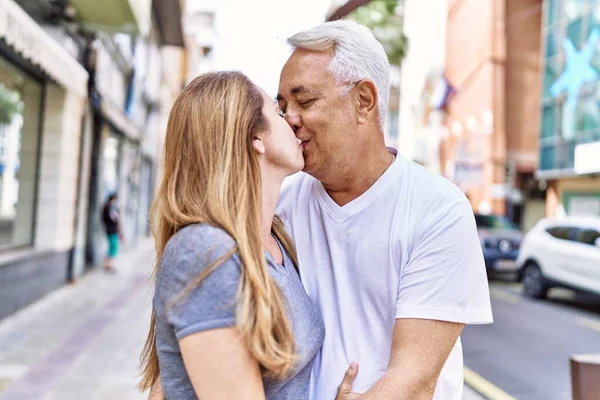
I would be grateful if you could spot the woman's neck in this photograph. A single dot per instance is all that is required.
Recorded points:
(271, 185)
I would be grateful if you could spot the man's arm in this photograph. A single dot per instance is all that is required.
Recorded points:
(420, 348)
(443, 286)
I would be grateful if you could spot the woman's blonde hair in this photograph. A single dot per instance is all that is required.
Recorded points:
(211, 175)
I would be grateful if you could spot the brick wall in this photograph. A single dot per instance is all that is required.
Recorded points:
(523, 81)
(493, 54)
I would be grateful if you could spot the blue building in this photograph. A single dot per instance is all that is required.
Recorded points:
(569, 144)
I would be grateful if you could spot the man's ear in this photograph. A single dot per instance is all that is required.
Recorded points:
(258, 144)
(366, 95)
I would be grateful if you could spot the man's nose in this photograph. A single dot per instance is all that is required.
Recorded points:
(293, 120)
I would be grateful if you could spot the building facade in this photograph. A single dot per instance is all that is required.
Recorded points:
(422, 84)
(43, 93)
(80, 117)
(569, 135)
(493, 118)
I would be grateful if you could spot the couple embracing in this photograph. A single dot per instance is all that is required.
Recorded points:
(298, 256)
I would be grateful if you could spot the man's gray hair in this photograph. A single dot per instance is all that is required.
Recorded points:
(357, 56)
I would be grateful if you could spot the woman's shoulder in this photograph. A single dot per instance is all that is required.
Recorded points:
(198, 278)
(196, 247)
(197, 237)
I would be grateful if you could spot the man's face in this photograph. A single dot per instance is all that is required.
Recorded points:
(316, 109)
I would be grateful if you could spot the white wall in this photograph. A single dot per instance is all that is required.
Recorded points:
(59, 169)
(425, 27)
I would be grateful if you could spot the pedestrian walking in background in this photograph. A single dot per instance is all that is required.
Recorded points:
(112, 226)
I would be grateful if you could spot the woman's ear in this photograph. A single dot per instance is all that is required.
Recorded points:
(259, 144)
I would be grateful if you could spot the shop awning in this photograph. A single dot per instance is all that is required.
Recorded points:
(125, 16)
(28, 39)
(168, 18)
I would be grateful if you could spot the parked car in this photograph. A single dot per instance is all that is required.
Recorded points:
(500, 242)
(564, 253)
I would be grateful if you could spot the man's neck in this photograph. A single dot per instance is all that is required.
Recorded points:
(357, 178)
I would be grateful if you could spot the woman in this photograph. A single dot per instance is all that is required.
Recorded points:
(230, 318)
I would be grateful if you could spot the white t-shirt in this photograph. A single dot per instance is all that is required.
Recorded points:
(406, 248)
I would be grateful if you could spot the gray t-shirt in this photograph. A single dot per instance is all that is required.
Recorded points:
(212, 305)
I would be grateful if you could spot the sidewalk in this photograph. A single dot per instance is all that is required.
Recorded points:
(83, 341)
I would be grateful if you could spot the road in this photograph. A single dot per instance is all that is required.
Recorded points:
(526, 351)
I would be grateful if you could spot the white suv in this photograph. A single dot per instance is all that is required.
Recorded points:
(564, 252)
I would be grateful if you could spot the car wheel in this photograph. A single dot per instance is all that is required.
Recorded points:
(534, 284)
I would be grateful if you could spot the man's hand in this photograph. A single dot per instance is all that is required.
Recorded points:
(345, 388)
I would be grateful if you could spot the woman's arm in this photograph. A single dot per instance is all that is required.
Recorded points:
(220, 366)
(156, 392)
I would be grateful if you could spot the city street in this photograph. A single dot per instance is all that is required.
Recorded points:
(526, 351)
(83, 341)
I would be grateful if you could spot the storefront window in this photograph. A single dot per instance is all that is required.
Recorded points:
(130, 197)
(587, 114)
(552, 12)
(573, 9)
(551, 73)
(20, 111)
(552, 44)
(549, 121)
(574, 32)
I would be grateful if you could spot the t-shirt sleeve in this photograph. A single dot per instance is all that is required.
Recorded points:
(211, 304)
(445, 277)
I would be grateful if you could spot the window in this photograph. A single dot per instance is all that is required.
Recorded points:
(552, 12)
(549, 121)
(20, 114)
(587, 236)
(574, 32)
(562, 232)
(568, 21)
(552, 71)
(553, 44)
(586, 114)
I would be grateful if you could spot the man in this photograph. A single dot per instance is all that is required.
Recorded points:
(388, 251)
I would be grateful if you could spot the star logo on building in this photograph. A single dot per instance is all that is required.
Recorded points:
(578, 70)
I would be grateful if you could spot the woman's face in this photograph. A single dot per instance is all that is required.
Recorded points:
(282, 149)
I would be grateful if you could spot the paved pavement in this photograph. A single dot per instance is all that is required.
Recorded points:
(83, 341)
(526, 351)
